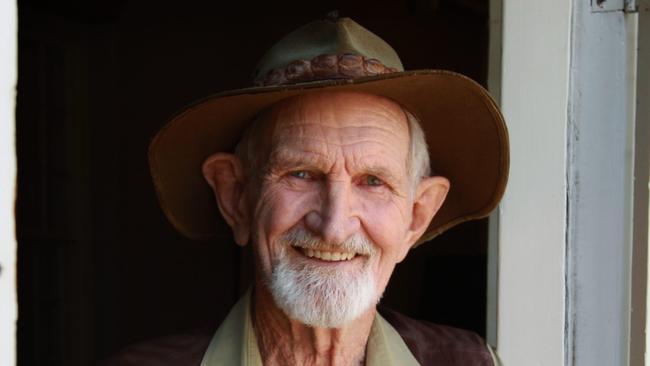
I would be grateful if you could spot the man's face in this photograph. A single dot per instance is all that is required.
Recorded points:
(335, 203)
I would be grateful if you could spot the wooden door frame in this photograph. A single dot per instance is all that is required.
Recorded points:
(573, 225)
(8, 77)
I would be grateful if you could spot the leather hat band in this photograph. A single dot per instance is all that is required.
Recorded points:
(326, 66)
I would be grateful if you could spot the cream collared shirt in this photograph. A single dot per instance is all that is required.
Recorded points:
(234, 342)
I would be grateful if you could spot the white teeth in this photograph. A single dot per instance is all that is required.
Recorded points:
(328, 256)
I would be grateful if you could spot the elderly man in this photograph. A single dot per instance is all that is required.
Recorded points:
(331, 184)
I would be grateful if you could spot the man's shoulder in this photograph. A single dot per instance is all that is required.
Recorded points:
(430, 344)
(186, 350)
(435, 344)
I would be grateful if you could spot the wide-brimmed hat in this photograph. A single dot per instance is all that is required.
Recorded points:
(465, 131)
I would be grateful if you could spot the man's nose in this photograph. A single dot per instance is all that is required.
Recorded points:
(336, 220)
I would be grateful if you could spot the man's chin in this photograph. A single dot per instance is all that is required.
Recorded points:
(321, 296)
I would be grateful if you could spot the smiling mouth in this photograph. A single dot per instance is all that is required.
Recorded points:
(327, 256)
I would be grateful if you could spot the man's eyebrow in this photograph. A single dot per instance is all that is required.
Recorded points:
(380, 171)
(283, 158)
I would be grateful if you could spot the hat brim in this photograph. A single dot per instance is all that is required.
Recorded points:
(465, 132)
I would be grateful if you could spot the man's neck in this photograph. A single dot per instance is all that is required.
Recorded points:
(284, 341)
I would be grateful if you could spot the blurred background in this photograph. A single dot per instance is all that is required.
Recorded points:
(99, 265)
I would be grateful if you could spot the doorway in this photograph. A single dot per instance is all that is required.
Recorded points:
(99, 266)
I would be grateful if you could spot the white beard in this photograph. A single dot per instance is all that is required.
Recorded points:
(321, 296)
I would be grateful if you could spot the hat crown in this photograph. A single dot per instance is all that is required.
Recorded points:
(338, 36)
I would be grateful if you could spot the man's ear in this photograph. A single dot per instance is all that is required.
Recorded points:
(429, 196)
(225, 174)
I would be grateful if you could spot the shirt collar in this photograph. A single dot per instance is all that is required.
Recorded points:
(234, 343)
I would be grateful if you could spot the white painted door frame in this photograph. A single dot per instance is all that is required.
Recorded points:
(565, 240)
(8, 305)
(639, 341)
(532, 222)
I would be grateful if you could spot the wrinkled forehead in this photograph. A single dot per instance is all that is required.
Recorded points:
(351, 114)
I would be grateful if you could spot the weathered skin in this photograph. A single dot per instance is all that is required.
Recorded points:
(337, 165)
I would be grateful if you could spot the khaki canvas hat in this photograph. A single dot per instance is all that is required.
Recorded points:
(465, 131)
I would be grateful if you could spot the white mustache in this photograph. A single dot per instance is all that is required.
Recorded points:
(301, 238)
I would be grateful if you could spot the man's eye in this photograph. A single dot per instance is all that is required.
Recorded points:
(300, 174)
(371, 180)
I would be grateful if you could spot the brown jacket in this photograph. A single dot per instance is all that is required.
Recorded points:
(430, 344)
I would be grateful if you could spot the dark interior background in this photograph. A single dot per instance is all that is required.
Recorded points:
(99, 265)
